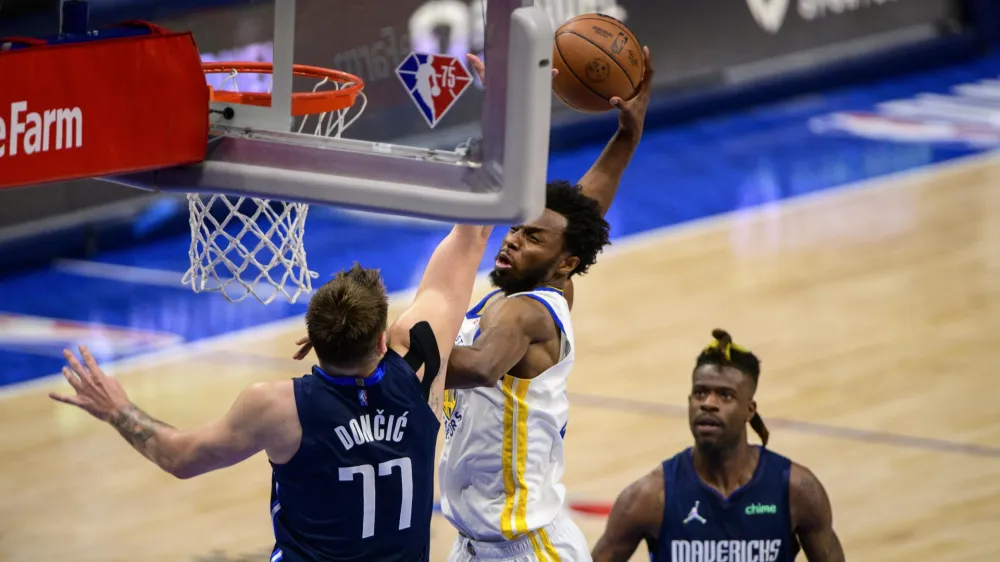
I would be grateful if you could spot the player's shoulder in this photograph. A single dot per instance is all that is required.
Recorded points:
(265, 392)
(650, 488)
(272, 404)
(269, 398)
(652, 483)
(807, 497)
(543, 293)
(802, 481)
(520, 309)
(643, 500)
(275, 417)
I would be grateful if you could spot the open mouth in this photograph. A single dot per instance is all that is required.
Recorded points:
(707, 424)
(503, 261)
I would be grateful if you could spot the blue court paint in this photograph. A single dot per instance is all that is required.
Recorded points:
(699, 170)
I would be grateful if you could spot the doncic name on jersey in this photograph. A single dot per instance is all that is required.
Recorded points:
(766, 550)
(368, 429)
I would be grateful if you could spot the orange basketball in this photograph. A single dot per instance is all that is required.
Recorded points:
(597, 58)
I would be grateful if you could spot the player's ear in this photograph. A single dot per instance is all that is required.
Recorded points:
(751, 410)
(382, 346)
(567, 264)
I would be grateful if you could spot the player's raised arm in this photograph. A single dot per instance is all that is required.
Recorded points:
(507, 329)
(812, 517)
(443, 297)
(636, 515)
(602, 180)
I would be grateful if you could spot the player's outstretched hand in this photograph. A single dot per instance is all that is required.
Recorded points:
(632, 113)
(305, 346)
(480, 68)
(96, 393)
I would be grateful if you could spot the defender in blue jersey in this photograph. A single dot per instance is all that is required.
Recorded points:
(352, 444)
(723, 500)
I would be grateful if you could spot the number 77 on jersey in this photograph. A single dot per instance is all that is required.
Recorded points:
(368, 491)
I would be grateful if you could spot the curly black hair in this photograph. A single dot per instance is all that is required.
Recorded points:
(587, 233)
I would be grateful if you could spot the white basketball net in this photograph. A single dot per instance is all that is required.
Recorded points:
(243, 246)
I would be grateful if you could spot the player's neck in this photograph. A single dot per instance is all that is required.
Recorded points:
(726, 469)
(513, 290)
(557, 284)
(359, 372)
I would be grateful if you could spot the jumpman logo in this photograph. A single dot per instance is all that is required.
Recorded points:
(693, 515)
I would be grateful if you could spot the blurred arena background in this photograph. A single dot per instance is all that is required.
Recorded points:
(820, 177)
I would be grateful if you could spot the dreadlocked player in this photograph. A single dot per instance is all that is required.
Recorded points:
(723, 500)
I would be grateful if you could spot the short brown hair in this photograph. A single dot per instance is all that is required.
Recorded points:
(347, 315)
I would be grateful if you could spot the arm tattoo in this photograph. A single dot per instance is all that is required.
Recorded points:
(138, 427)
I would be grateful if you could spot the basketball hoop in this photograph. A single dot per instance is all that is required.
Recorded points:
(342, 97)
(243, 246)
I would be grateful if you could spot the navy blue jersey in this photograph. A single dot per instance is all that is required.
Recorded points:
(753, 525)
(361, 485)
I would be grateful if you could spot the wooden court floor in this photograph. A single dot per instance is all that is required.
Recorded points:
(875, 310)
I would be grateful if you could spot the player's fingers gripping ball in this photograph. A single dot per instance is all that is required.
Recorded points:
(597, 58)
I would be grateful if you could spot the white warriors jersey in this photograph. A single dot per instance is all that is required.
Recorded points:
(500, 473)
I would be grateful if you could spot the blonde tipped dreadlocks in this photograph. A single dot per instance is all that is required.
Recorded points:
(723, 351)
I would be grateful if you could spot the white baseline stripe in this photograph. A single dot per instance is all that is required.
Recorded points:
(124, 273)
(622, 245)
(144, 276)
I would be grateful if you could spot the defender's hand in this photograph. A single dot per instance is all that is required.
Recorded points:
(96, 393)
(304, 349)
(478, 66)
(632, 113)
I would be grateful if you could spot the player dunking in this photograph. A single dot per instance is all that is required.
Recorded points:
(352, 444)
(723, 499)
(501, 469)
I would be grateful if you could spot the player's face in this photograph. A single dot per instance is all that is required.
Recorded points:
(531, 254)
(720, 405)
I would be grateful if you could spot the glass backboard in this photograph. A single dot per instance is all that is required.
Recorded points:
(429, 139)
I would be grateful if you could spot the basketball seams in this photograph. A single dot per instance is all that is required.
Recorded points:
(595, 77)
(573, 72)
(600, 48)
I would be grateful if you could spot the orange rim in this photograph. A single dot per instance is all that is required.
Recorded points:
(305, 103)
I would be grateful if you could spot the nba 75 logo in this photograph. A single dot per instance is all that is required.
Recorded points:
(434, 83)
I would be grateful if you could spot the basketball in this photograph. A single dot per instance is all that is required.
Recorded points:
(597, 58)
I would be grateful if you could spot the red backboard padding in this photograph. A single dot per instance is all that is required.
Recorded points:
(100, 108)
